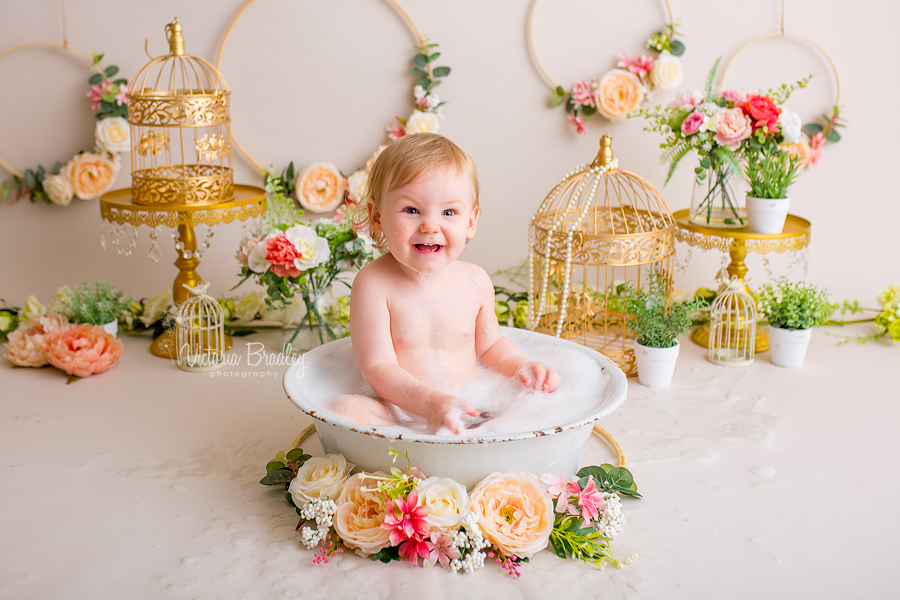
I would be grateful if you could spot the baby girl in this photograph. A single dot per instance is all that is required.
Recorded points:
(421, 320)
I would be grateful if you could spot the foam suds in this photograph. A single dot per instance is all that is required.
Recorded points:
(506, 405)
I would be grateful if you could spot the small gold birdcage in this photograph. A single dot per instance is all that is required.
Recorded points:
(178, 108)
(592, 241)
(732, 326)
(200, 332)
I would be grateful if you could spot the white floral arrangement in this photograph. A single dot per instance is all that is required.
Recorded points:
(89, 174)
(322, 188)
(507, 517)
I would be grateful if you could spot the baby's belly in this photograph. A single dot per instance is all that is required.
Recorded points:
(442, 369)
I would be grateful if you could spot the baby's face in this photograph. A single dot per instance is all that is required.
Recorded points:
(426, 222)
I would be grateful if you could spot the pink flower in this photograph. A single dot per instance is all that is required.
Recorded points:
(440, 548)
(408, 526)
(584, 92)
(578, 123)
(82, 351)
(590, 500)
(640, 66)
(281, 253)
(96, 94)
(120, 97)
(244, 250)
(559, 488)
(732, 127)
(734, 96)
(763, 111)
(25, 347)
(396, 131)
(692, 123)
(689, 100)
(817, 140)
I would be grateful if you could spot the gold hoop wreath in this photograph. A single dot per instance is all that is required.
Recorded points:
(321, 187)
(817, 134)
(622, 89)
(81, 176)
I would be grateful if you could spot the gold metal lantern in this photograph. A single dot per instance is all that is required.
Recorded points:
(178, 108)
(592, 240)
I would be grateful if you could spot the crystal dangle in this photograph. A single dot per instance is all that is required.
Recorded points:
(104, 233)
(155, 252)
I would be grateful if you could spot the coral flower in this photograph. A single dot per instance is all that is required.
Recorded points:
(405, 519)
(281, 253)
(590, 500)
(82, 351)
(763, 111)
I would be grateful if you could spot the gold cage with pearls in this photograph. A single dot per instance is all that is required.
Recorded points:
(592, 239)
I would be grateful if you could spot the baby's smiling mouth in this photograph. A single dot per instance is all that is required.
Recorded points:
(428, 248)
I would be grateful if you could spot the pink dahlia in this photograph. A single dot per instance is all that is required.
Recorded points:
(82, 351)
(408, 526)
(590, 500)
(640, 65)
(584, 93)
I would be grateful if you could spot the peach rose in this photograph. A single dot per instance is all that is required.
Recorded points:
(446, 500)
(321, 187)
(618, 93)
(799, 148)
(732, 127)
(82, 351)
(25, 347)
(514, 511)
(91, 174)
(320, 477)
(361, 510)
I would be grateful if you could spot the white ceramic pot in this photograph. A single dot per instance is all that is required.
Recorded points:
(767, 215)
(112, 328)
(466, 460)
(655, 366)
(788, 348)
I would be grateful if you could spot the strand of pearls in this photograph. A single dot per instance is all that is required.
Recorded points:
(534, 312)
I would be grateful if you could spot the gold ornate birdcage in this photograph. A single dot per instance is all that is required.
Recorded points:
(178, 108)
(732, 325)
(200, 332)
(592, 240)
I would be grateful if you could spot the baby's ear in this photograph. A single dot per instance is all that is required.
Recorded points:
(473, 222)
(374, 216)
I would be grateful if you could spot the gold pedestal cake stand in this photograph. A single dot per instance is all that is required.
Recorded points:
(118, 207)
(738, 243)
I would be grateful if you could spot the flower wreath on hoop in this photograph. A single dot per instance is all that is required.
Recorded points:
(623, 89)
(88, 174)
(321, 187)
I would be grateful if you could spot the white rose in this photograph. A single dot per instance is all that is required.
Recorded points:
(155, 307)
(248, 307)
(313, 249)
(356, 185)
(791, 125)
(667, 72)
(58, 189)
(423, 122)
(320, 477)
(113, 134)
(59, 300)
(447, 502)
(256, 260)
(32, 310)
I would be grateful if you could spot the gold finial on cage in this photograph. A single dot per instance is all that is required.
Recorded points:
(605, 154)
(175, 38)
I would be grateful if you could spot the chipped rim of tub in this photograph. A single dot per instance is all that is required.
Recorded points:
(614, 395)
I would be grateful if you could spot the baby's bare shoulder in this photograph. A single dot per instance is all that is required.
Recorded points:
(476, 273)
(373, 277)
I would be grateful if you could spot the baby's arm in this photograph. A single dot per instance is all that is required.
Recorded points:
(370, 322)
(496, 352)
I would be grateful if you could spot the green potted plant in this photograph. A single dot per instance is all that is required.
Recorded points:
(656, 323)
(770, 172)
(792, 310)
(98, 303)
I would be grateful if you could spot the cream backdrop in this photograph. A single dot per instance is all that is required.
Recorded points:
(320, 81)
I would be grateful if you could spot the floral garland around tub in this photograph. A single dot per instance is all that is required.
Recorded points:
(321, 187)
(88, 174)
(507, 518)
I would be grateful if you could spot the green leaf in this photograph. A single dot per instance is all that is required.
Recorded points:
(418, 71)
(812, 128)
(632, 493)
(558, 98)
(834, 136)
(420, 61)
(106, 106)
(423, 81)
(620, 478)
(57, 168)
(704, 162)
(72, 379)
(111, 70)
(676, 48)
(433, 57)
(274, 465)
(29, 178)
(387, 555)
(441, 71)
(588, 110)
(289, 498)
(296, 454)
(279, 476)
(558, 548)
(95, 79)
(120, 81)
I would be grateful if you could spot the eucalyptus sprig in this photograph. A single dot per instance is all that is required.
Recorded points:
(429, 75)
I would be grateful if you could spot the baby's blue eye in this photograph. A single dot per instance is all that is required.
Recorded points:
(410, 210)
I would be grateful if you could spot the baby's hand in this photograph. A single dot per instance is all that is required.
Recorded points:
(538, 376)
(445, 411)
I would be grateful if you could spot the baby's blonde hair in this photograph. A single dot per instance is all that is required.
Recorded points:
(402, 162)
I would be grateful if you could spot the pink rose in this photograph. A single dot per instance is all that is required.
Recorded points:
(82, 351)
(396, 131)
(578, 123)
(692, 123)
(281, 253)
(763, 111)
(583, 93)
(689, 100)
(732, 127)
(734, 96)
(640, 66)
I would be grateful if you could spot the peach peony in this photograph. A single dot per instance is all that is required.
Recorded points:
(26, 346)
(91, 174)
(799, 148)
(82, 351)
(514, 511)
(361, 510)
(618, 93)
(321, 187)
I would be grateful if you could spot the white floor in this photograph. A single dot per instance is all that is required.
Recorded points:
(758, 482)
